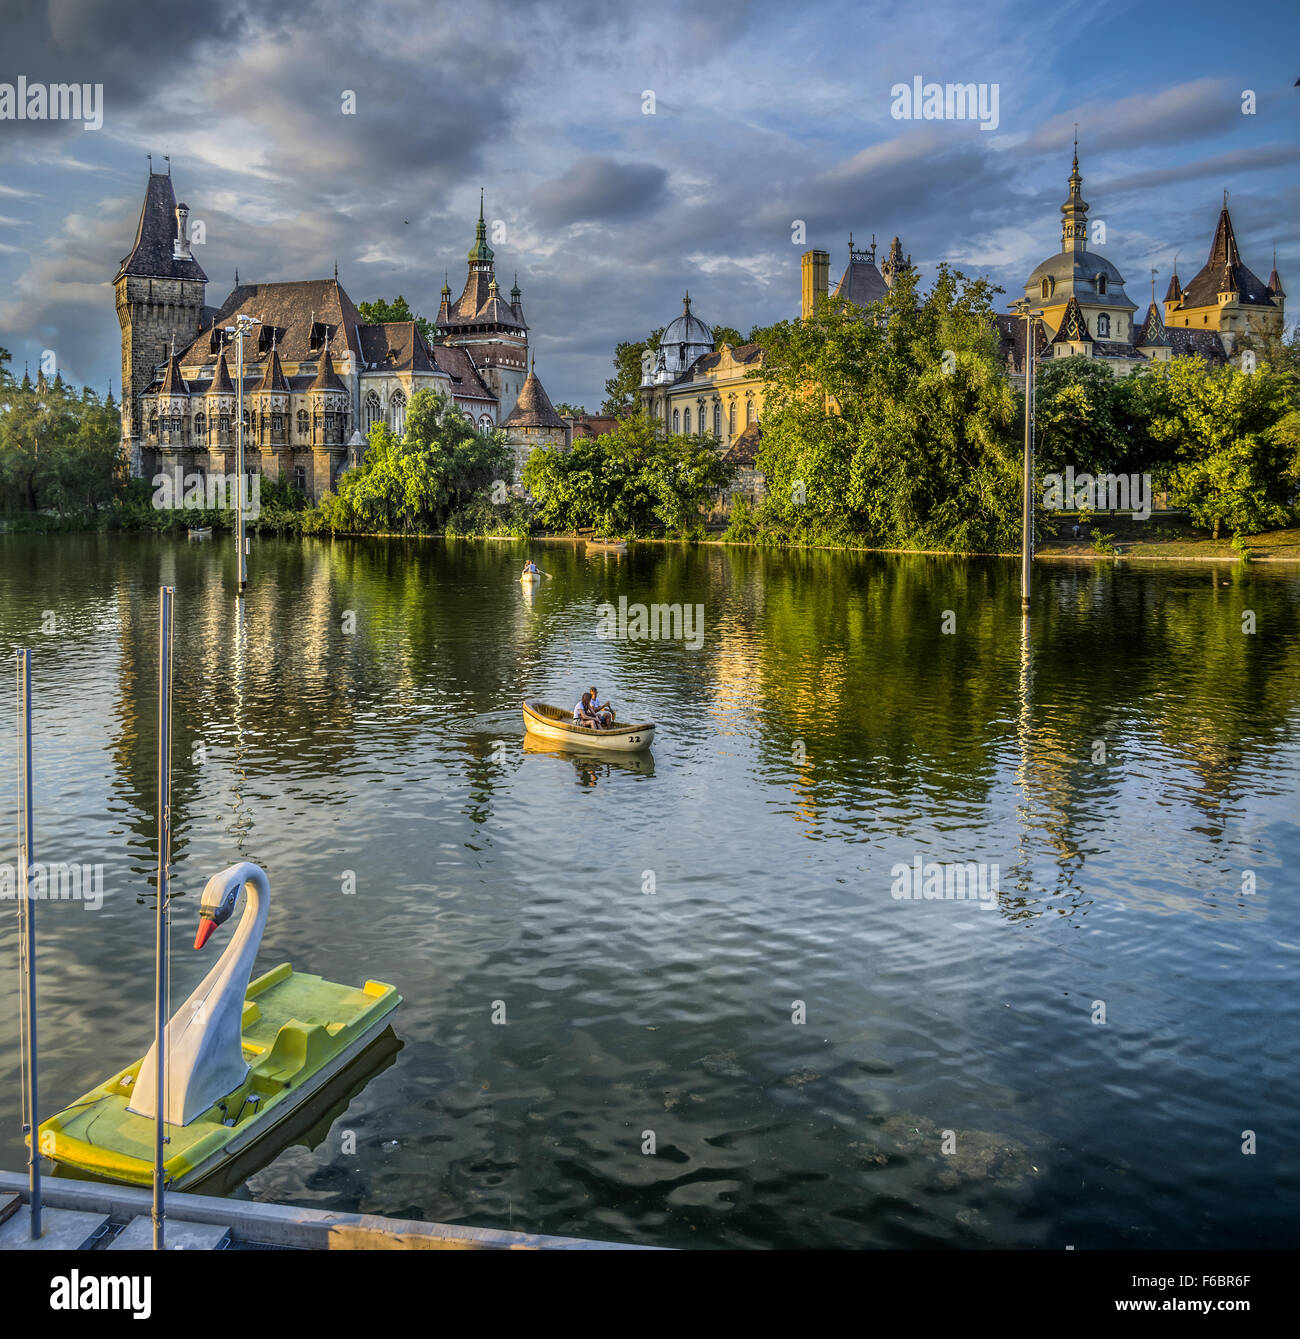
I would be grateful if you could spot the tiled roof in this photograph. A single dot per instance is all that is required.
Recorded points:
(1074, 328)
(394, 346)
(273, 375)
(155, 237)
(1152, 331)
(1224, 272)
(458, 364)
(861, 282)
(295, 309)
(221, 382)
(533, 408)
(744, 450)
(326, 378)
(173, 382)
(742, 353)
(590, 425)
(1201, 343)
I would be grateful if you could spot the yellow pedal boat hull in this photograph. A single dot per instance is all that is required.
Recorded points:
(298, 1033)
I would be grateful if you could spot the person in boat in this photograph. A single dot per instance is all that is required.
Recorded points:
(531, 568)
(603, 713)
(584, 715)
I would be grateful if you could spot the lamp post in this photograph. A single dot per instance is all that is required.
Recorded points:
(1021, 308)
(243, 324)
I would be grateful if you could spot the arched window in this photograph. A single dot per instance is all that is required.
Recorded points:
(1101, 284)
(374, 409)
(731, 419)
(397, 412)
(717, 418)
(677, 421)
(485, 423)
(1103, 326)
(153, 425)
(200, 425)
(686, 419)
(303, 423)
(749, 412)
(1047, 290)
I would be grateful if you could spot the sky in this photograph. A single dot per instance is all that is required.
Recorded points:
(630, 152)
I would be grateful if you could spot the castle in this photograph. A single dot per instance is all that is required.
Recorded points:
(317, 376)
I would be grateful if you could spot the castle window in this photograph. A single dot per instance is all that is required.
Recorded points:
(484, 423)
(153, 425)
(1103, 326)
(374, 409)
(300, 478)
(717, 419)
(1046, 290)
(200, 426)
(397, 412)
(749, 412)
(677, 424)
(302, 423)
(223, 428)
(687, 421)
(1101, 284)
(731, 419)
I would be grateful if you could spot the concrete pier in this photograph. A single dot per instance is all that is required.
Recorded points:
(250, 1224)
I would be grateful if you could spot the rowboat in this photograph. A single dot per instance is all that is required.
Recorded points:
(548, 722)
(610, 545)
(200, 532)
(529, 578)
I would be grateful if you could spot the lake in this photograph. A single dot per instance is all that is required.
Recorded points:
(712, 950)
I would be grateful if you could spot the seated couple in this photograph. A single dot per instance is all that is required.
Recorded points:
(592, 712)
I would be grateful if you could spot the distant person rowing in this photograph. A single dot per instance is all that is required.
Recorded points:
(531, 569)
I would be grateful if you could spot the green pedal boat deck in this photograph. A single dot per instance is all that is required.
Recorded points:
(297, 1032)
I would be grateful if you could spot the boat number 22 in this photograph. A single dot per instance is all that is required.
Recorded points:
(634, 739)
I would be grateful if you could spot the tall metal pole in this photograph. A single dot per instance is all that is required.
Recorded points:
(27, 939)
(166, 594)
(239, 452)
(1027, 517)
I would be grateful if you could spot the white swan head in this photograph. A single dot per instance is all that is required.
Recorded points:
(220, 894)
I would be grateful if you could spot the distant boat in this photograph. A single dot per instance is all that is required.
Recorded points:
(548, 722)
(200, 532)
(612, 545)
(529, 577)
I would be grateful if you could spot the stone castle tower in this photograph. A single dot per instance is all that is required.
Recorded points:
(159, 289)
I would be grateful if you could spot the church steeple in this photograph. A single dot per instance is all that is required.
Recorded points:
(1074, 223)
(480, 253)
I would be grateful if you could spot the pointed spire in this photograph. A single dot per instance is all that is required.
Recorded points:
(336, 271)
(326, 378)
(221, 382)
(1274, 279)
(173, 382)
(1074, 328)
(1074, 223)
(480, 253)
(446, 286)
(273, 378)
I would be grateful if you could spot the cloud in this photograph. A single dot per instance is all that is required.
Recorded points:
(600, 189)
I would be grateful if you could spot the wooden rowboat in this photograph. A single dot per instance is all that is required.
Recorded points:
(548, 722)
(200, 532)
(611, 545)
(529, 577)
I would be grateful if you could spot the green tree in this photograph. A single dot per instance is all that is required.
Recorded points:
(412, 483)
(1232, 455)
(566, 410)
(726, 334)
(632, 481)
(379, 312)
(1080, 416)
(894, 425)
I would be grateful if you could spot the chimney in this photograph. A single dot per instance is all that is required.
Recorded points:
(181, 248)
(816, 279)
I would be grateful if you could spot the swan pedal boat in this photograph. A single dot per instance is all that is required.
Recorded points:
(548, 722)
(292, 1035)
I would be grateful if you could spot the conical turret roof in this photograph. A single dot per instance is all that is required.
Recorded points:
(533, 408)
(273, 378)
(326, 378)
(221, 382)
